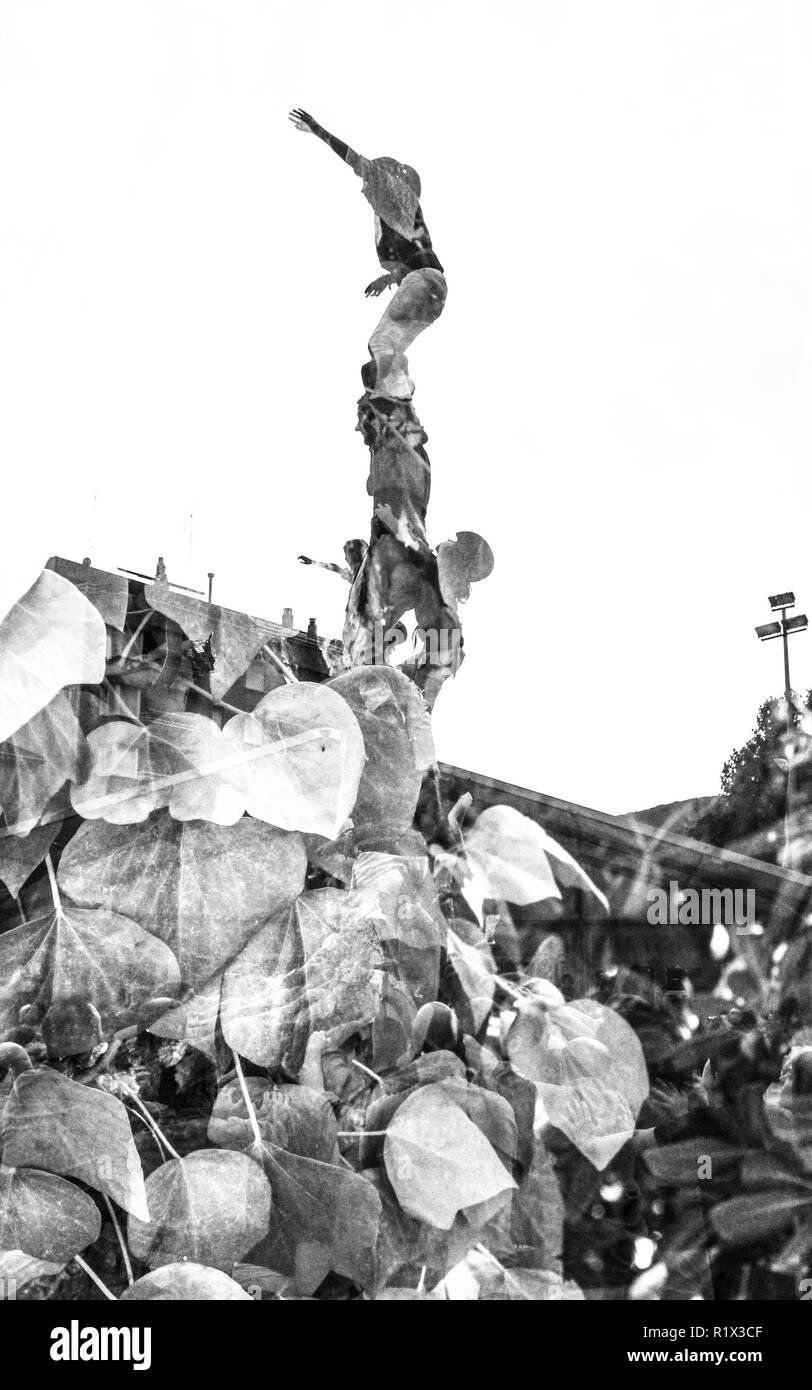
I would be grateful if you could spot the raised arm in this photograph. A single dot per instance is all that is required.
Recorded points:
(303, 121)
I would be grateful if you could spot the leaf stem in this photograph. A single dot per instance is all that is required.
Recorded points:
(77, 1259)
(49, 864)
(153, 1124)
(249, 1104)
(134, 638)
(281, 665)
(375, 1077)
(360, 1133)
(125, 1254)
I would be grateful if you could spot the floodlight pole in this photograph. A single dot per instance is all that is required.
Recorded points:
(785, 640)
(782, 603)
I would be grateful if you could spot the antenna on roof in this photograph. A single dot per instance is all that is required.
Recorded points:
(160, 577)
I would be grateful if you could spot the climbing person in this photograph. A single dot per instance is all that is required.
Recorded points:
(405, 252)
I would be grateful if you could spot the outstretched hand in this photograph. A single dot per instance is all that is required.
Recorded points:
(303, 121)
(305, 560)
(383, 282)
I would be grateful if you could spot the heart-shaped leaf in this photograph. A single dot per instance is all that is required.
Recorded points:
(85, 956)
(51, 637)
(53, 1123)
(109, 593)
(210, 1207)
(303, 757)
(470, 977)
(40, 757)
(295, 1118)
(438, 1161)
(589, 1071)
(203, 889)
(509, 857)
(44, 1215)
(324, 1216)
(235, 637)
(403, 900)
(187, 1281)
(396, 729)
(180, 761)
(753, 1216)
(20, 855)
(316, 971)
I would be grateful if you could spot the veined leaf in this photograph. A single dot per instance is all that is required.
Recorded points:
(185, 1280)
(438, 1161)
(86, 956)
(303, 758)
(44, 1215)
(53, 1123)
(52, 637)
(396, 729)
(180, 761)
(324, 1216)
(235, 637)
(508, 856)
(316, 971)
(20, 855)
(210, 1207)
(589, 1071)
(203, 889)
(37, 760)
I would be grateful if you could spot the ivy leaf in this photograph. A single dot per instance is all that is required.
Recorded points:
(410, 925)
(44, 1215)
(676, 1165)
(318, 970)
(180, 761)
(438, 1161)
(82, 956)
(210, 1207)
(53, 1123)
(51, 638)
(20, 855)
(115, 789)
(304, 755)
(185, 1280)
(110, 593)
(235, 637)
(295, 1118)
(509, 857)
(396, 729)
(324, 1216)
(194, 1020)
(537, 1214)
(754, 1216)
(203, 889)
(489, 1112)
(41, 756)
(470, 975)
(589, 1071)
(19, 1269)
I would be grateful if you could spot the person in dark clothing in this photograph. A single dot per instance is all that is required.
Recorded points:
(404, 250)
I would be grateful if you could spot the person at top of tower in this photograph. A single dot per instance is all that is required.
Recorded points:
(404, 250)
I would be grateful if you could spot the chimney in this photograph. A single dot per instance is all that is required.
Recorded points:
(311, 630)
(287, 617)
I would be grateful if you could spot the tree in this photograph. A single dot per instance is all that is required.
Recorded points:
(749, 814)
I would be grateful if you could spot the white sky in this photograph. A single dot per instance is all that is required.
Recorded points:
(617, 396)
